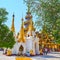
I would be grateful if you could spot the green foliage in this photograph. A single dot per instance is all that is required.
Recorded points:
(6, 36)
(8, 41)
(3, 15)
(48, 12)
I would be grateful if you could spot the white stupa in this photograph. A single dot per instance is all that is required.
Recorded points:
(27, 43)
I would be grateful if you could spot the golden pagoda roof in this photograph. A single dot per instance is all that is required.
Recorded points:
(26, 29)
(26, 22)
(28, 16)
(12, 26)
(21, 37)
(31, 27)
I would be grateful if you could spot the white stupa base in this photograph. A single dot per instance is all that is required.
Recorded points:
(16, 47)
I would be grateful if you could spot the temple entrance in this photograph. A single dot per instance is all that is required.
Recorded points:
(21, 48)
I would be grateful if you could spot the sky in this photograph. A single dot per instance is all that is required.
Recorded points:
(17, 7)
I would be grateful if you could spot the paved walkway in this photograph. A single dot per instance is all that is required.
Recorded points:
(49, 56)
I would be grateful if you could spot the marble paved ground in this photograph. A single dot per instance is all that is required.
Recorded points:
(49, 56)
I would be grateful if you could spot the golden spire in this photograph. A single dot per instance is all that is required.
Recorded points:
(12, 27)
(31, 27)
(21, 37)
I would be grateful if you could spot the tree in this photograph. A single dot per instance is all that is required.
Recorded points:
(6, 36)
(48, 12)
